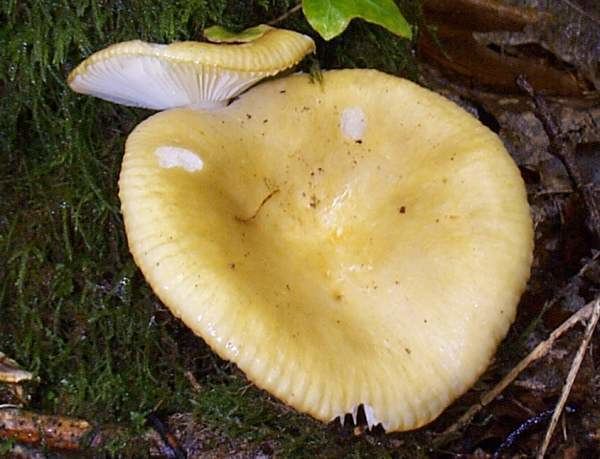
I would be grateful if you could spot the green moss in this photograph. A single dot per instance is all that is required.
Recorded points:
(73, 306)
(238, 410)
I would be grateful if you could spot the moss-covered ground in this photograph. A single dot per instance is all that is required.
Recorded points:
(74, 308)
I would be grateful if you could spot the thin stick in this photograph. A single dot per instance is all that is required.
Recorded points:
(539, 351)
(285, 15)
(585, 14)
(589, 331)
(563, 148)
(560, 294)
(193, 381)
(260, 206)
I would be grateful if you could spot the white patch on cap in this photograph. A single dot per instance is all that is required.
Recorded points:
(170, 157)
(353, 123)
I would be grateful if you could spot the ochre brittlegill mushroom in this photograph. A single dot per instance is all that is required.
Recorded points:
(360, 241)
(188, 73)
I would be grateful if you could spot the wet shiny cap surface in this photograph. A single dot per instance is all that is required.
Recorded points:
(364, 241)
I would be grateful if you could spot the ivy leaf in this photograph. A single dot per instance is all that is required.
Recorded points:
(331, 17)
(218, 34)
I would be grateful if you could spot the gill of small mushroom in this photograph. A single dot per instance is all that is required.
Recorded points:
(189, 74)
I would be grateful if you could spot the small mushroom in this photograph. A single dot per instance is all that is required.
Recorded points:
(11, 372)
(360, 242)
(182, 74)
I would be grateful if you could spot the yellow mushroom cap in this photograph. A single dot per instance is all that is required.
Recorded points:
(361, 242)
(189, 73)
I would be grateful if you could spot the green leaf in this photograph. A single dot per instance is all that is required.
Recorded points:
(218, 34)
(331, 17)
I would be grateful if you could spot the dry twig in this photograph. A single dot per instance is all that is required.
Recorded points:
(571, 377)
(539, 351)
(193, 381)
(564, 290)
(580, 10)
(260, 206)
(563, 148)
(285, 15)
